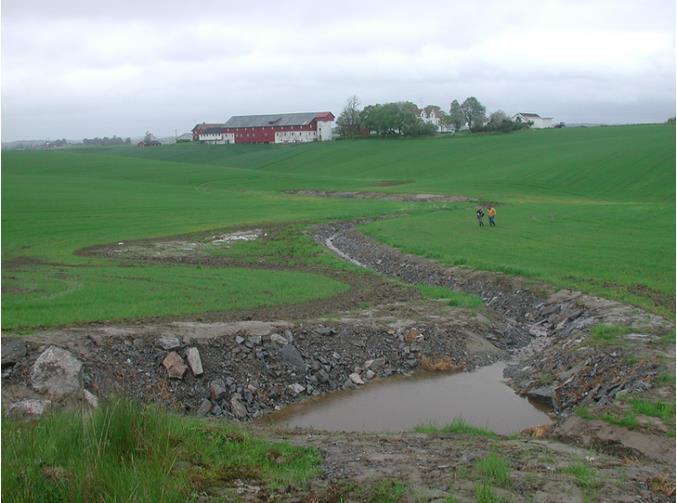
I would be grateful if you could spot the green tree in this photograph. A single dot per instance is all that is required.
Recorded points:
(455, 117)
(497, 119)
(349, 121)
(473, 112)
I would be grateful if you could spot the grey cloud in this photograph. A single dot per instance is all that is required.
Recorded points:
(70, 71)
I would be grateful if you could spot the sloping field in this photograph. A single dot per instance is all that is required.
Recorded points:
(586, 208)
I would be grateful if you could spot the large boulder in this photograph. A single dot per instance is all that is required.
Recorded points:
(174, 365)
(194, 361)
(56, 373)
(290, 355)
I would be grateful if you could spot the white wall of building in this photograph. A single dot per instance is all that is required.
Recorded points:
(295, 136)
(217, 138)
(324, 130)
(538, 122)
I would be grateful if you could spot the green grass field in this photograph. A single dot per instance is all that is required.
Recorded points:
(585, 208)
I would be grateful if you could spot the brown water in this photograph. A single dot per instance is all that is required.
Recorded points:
(480, 398)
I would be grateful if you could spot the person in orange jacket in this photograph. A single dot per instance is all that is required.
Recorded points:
(492, 216)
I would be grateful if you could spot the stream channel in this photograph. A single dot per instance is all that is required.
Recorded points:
(481, 398)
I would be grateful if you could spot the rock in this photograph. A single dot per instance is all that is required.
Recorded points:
(278, 339)
(296, 389)
(90, 398)
(543, 394)
(168, 342)
(57, 373)
(238, 409)
(322, 376)
(216, 410)
(538, 331)
(370, 374)
(194, 360)
(375, 365)
(204, 408)
(174, 365)
(30, 408)
(12, 351)
(217, 389)
(256, 340)
(239, 339)
(355, 378)
(325, 331)
(291, 356)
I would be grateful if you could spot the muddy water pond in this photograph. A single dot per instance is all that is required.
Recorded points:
(480, 398)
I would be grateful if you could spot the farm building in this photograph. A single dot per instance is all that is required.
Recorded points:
(538, 121)
(433, 115)
(208, 133)
(275, 128)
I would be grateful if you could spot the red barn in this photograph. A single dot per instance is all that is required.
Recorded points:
(277, 128)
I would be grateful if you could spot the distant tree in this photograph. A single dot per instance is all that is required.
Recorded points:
(496, 119)
(455, 117)
(128, 141)
(148, 137)
(349, 121)
(473, 112)
(671, 121)
(394, 119)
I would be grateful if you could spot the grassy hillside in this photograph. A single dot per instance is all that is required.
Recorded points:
(587, 208)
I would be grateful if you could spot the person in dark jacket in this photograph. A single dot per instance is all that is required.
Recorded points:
(480, 216)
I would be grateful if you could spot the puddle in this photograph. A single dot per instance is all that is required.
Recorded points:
(480, 398)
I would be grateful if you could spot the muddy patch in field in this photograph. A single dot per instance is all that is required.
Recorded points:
(197, 246)
(479, 398)
(425, 198)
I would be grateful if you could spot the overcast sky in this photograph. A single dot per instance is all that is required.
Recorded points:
(78, 68)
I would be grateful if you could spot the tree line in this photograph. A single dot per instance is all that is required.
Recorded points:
(115, 140)
(402, 119)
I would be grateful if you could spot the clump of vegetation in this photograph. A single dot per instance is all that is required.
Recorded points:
(627, 420)
(493, 469)
(484, 493)
(585, 478)
(453, 298)
(457, 426)
(663, 410)
(605, 335)
(386, 491)
(125, 452)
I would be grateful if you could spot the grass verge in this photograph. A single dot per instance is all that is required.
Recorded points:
(457, 426)
(126, 452)
(453, 298)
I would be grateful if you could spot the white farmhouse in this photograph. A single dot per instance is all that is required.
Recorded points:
(433, 115)
(538, 121)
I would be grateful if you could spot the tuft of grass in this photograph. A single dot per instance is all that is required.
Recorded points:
(387, 491)
(584, 475)
(584, 412)
(457, 426)
(493, 469)
(453, 297)
(668, 338)
(663, 410)
(125, 452)
(665, 379)
(605, 335)
(484, 493)
(627, 420)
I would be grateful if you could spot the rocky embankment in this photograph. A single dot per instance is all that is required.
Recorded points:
(535, 317)
(235, 370)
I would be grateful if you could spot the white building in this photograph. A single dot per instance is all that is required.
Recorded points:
(538, 121)
(431, 115)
